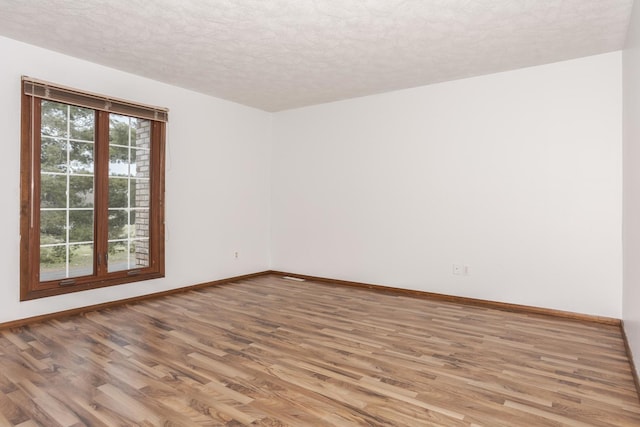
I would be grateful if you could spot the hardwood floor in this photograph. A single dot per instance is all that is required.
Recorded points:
(272, 352)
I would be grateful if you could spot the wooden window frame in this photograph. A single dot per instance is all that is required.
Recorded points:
(30, 285)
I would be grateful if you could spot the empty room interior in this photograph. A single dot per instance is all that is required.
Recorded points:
(320, 213)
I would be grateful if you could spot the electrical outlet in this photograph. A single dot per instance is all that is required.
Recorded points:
(461, 270)
(235, 255)
(457, 270)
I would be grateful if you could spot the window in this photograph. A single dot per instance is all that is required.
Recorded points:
(92, 191)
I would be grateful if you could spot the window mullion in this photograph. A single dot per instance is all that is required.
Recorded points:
(67, 227)
(34, 230)
(101, 202)
(128, 196)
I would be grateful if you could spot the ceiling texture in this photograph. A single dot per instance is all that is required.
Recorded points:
(282, 54)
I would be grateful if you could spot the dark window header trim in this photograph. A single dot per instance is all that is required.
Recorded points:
(55, 92)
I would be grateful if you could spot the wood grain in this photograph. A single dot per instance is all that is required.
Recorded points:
(634, 367)
(516, 308)
(80, 310)
(266, 351)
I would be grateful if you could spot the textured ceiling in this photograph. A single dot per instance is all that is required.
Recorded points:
(281, 54)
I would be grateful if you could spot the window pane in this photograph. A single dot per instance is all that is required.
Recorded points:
(62, 261)
(80, 191)
(140, 253)
(132, 224)
(118, 192)
(53, 227)
(54, 119)
(140, 219)
(53, 155)
(81, 263)
(141, 137)
(141, 160)
(81, 123)
(118, 256)
(129, 192)
(138, 126)
(118, 161)
(53, 263)
(81, 156)
(131, 250)
(128, 255)
(140, 192)
(118, 224)
(66, 192)
(81, 226)
(120, 129)
(53, 191)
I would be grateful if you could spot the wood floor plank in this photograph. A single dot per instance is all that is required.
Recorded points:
(267, 351)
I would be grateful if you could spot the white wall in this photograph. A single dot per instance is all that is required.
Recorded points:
(517, 175)
(217, 180)
(631, 210)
